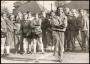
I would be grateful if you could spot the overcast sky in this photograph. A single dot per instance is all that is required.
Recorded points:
(47, 4)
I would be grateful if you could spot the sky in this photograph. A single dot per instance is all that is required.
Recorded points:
(47, 4)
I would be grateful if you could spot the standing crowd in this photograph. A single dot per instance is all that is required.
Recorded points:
(33, 33)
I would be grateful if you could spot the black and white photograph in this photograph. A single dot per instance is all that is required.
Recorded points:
(44, 31)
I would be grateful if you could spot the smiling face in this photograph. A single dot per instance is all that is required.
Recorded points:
(60, 10)
(36, 15)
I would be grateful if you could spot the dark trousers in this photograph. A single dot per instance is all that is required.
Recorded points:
(18, 42)
(67, 40)
(44, 39)
(84, 37)
(49, 38)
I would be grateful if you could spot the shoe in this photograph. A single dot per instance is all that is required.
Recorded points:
(68, 50)
(29, 52)
(60, 59)
(7, 54)
(84, 51)
(73, 50)
(24, 53)
(2, 55)
(42, 52)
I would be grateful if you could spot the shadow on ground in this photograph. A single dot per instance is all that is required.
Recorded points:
(18, 59)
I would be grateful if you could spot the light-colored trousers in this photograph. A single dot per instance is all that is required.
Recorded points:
(3, 45)
(39, 42)
(58, 40)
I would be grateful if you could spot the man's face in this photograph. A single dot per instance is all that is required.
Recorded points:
(4, 15)
(36, 15)
(29, 14)
(44, 14)
(70, 13)
(25, 17)
(73, 12)
(81, 12)
(60, 10)
(12, 17)
(52, 14)
(67, 10)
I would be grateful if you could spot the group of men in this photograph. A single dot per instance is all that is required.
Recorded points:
(32, 33)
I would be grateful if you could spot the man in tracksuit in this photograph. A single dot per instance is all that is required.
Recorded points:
(59, 24)
(63, 25)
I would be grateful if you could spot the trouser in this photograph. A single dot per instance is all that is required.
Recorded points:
(73, 34)
(3, 44)
(39, 42)
(61, 44)
(58, 40)
(9, 40)
(30, 44)
(67, 40)
(49, 38)
(88, 38)
(44, 39)
(25, 44)
(17, 42)
(84, 37)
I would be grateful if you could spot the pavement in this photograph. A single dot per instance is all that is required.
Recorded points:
(69, 57)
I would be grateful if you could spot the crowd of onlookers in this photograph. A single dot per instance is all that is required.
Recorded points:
(31, 33)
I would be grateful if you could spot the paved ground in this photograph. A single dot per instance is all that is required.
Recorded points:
(69, 57)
